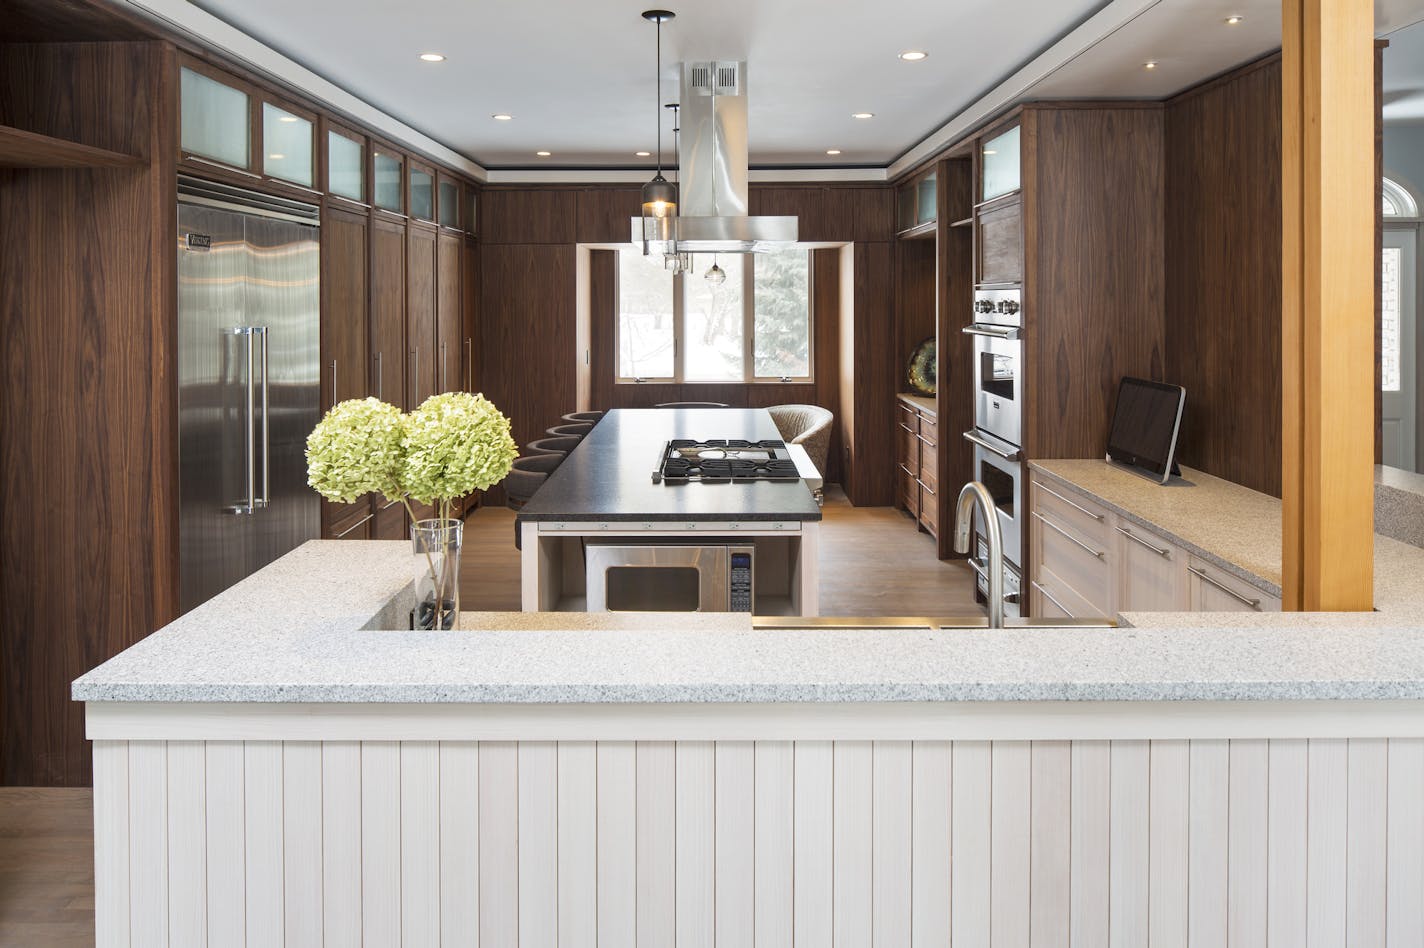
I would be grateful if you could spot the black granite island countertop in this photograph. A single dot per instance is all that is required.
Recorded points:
(609, 476)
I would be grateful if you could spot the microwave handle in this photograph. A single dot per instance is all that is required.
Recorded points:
(993, 332)
(973, 437)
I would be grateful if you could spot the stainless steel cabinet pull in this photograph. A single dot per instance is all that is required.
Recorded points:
(1165, 554)
(1080, 509)
(925, 486)
(359, 523)
(469, 364)
(444, 369)
(1072, 539)
(907, 471)
(925, 440)
(415, 377)
(224, 166)
(333, 381)
(908, 428)
(1049, 596)
(380, 377)
(1008, 333)
(1204, 577)
(987, 445)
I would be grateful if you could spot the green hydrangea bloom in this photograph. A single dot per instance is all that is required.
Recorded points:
(455, 444)
(355, 450)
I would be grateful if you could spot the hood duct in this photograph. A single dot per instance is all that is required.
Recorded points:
(712, 179)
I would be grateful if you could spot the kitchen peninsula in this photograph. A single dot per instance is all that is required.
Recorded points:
(610, 503)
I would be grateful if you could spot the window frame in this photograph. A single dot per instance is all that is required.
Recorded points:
(749, 376)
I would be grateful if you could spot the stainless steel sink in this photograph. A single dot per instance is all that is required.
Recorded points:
(921, 622)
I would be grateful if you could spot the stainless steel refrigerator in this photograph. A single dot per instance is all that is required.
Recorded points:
(248, 314)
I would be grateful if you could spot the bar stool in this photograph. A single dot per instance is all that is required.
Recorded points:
(693, 405)
(591, 417)
(575, 429)
(526, 476)
(560, 445)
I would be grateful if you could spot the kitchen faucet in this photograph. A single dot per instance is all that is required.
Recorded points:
(971, 494)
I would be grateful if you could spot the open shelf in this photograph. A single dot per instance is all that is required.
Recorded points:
(22, 149)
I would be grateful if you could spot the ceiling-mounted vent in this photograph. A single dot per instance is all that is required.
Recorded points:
(715, 78)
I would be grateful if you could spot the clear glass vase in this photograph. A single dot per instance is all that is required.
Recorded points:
(437, 573)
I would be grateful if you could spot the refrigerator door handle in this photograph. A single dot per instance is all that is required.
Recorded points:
(266, 426)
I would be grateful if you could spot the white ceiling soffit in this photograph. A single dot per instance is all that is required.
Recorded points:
(1404, 77)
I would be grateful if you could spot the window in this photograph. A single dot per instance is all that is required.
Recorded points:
(1390, 320)
(755, 325)
(1398, 202)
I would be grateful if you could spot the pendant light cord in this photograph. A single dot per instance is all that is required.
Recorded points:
(658, 95)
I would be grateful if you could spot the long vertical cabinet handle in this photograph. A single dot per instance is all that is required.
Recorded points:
(469, 364)
(444, 369)
(414, 378)
(380, 378)
(333, 382)
(266, 426)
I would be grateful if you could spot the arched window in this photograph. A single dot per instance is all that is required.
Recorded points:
(1398, 202)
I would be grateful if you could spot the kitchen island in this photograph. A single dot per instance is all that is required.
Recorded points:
(606, 493)
(277, 767)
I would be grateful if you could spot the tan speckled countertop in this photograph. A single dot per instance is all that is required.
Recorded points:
(1236, 528)
(922, 402)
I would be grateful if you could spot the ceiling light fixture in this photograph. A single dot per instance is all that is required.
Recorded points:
(1234, 19)
(276, 157)
(1150, 64)
(432, 57)
(990, 151)
(502, 117)
(914, 55)
(543, 154)
(643, 154)
(659, 195)
(833, 151)
(287, 118)
(862, 115)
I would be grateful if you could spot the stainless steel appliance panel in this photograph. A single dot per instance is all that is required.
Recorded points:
(1003, 478)
(998, 363)
(669, 577)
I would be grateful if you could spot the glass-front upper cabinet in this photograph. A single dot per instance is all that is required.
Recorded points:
(449, 203)
(387, 180)
(345, 166)
(999, 165)
(472, 211)
(215, 119)
(287, 145)
(915, 203)
(422, 193)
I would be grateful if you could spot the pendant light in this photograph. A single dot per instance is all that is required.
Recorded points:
(716, 275)
(659, 195)
(673, 259)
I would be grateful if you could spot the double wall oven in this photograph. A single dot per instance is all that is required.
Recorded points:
(997, 435)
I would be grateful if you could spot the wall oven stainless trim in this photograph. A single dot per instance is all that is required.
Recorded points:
(998, 363)
(1004, 480)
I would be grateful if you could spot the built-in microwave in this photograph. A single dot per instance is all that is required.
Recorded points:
(670, 576)
(998, 363)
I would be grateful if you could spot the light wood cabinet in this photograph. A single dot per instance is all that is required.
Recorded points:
(1211, 589)
(1150, 571)
(917, 462)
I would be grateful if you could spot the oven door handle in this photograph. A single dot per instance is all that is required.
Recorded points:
(1009, 333)
(974, 438)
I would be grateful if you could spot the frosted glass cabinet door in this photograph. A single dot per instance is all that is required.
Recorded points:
(215, 120)
(422, 194)
(287, 141)
(1000, 165)
(345, 167)
(387, 180)
(449, 204)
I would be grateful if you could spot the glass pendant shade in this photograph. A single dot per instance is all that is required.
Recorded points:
(659, 198)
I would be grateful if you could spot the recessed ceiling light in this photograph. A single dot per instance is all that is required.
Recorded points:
(501, 116)
(276, 157)
(432, 57)
(1234, 19)
(287, 118)
(913, 55)
(862, 115)
(643, 154)
(1150, 64)
(543, 154)
(990, 151)
(833, 151)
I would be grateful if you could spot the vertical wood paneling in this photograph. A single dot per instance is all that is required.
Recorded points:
(148, 842)
(735, 872)
(815, 843)
(499, 844)
(1010, 822)
(111, 843)
(1246, 842)
(1128, 834)
(341, 843)
(696, 844)
(617, 843)
(538, 844)
(1366, 847)
(891, 843)
(1089, 831)
(1286, 848)
(1405, 919)
(262, 797)
(1207, 850)
(226, 844)
(851, 808)
(930, 843)
(774, 823)
(657, 843)
(578, 844)
(187, 843)
(1168, 844)
(380, 844)
(301, 842)
(971, 819)
(420, 842)
(1050, 844)
(1326, 851)
(459, 844)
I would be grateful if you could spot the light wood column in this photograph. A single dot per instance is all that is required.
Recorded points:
(1328, 198)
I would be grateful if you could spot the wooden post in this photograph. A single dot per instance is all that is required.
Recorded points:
(1328, 199)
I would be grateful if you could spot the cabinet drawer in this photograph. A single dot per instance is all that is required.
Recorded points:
(1073, 510)
(929, 429)
(1050, 599)
(929, 511)
(906, 414)
(1151, 571)
(1069, 562)
(909, 489)
(909, 452)
(929, 468)
(1212, 589)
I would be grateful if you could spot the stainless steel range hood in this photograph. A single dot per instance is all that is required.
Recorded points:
(712, 179)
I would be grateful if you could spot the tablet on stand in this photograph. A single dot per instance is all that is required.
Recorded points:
(1145, 427)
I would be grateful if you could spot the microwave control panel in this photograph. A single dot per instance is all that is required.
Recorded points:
(740, 599)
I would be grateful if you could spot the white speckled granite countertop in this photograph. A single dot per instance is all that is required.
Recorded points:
(306, 629)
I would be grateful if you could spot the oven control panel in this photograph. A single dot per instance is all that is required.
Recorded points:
(740, 583)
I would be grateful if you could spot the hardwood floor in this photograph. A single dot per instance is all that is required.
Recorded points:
(873, 563)
(46, 867)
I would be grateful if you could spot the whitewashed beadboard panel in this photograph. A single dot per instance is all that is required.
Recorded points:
(778, 844)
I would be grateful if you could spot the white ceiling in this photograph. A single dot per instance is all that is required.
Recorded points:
(1404, 76)
(576, 74)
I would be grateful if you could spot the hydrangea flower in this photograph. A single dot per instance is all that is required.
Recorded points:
(355, 450)
(453, 445)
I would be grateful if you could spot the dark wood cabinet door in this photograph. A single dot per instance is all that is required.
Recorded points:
(1000, 243)
(422, 365)
(388, 352)
(345, 334)
(449, 321)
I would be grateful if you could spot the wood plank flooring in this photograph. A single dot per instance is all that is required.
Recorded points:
(46, 867)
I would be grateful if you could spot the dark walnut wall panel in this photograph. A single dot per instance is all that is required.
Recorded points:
(88, 559)
(1223, 273)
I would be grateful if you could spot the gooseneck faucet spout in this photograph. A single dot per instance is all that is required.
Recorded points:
(972, 494)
